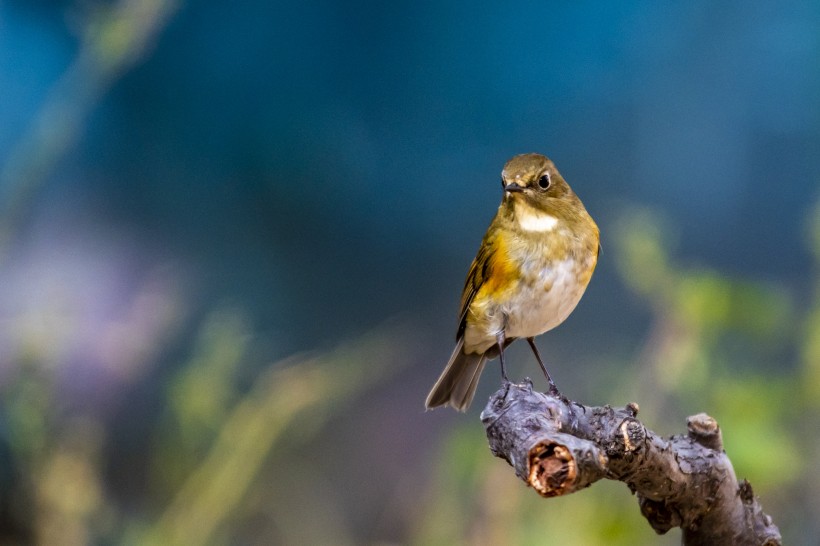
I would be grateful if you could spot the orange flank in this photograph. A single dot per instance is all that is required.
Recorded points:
(501, 272)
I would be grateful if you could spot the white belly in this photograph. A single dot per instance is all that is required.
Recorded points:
(545, 298)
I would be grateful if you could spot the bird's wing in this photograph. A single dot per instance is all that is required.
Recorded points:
(471, 286)
(491, 261)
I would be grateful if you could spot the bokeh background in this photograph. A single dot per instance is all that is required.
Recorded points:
(233, 238)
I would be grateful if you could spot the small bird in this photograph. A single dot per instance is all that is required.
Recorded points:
(533, 266)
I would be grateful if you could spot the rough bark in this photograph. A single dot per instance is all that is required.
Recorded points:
(558, 446)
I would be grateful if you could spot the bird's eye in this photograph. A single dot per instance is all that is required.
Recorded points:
(544, 181)
(503, 184)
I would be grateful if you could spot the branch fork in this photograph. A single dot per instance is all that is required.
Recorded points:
(558, 446)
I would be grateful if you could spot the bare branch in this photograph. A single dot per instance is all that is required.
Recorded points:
(558, 446)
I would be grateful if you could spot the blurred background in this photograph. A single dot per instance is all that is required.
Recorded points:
(233, 239)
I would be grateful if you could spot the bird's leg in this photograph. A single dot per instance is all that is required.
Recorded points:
(500, 338)
(553, 389)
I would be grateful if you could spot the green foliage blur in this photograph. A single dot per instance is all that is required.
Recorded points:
(331, 446)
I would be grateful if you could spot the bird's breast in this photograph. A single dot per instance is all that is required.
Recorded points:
(547, 293)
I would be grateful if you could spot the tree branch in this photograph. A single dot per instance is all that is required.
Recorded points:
(558, 446)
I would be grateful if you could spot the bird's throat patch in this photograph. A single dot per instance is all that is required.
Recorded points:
(530, 219)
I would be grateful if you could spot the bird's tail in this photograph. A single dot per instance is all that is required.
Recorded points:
(457, 383)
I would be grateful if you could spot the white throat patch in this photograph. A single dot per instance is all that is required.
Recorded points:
(532, 220)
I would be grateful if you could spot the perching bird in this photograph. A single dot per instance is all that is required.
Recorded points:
(533, 266)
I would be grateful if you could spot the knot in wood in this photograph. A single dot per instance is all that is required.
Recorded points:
(705, 431)
(552, 470)
(632, 435)
(744, 489)
(660, 515)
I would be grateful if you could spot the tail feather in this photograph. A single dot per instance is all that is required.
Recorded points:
(457, 384)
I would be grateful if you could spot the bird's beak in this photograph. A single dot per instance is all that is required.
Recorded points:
(513, 188)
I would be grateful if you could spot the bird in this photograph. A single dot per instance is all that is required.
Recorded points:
(530, 272)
